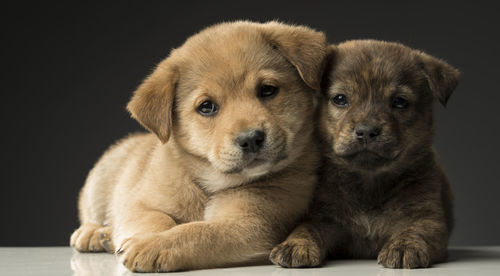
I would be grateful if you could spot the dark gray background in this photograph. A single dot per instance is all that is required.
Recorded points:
(68, 71)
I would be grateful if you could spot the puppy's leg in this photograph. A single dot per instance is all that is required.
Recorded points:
(189, 246)
(418, 245)
(196, 245)
(137, 220)
(236, 232)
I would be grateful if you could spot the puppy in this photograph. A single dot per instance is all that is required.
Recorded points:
(231, 164)
(382, 191)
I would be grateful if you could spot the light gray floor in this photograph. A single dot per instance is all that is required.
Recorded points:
(54, 261)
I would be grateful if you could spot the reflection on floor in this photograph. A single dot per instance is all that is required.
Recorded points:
(476, 261)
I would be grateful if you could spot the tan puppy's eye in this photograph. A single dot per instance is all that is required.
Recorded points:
(208, 108)
(267, 91)
(340, 100)
(399, 102)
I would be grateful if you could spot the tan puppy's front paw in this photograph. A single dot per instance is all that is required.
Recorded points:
(404, 254)
(296, 253)
(148, 253)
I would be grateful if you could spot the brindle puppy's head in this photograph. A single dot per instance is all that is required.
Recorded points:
(379, 108)
(238, 95)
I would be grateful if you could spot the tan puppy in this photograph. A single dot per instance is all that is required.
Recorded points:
(235, 162)
(382, 192)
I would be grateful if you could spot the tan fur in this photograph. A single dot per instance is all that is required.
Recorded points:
(188, 197)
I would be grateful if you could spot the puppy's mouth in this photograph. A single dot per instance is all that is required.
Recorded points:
(256, 166)
(369, 159)
(251, 164)
(256, 162)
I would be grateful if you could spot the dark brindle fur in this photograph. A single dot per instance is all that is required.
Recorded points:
(383, 193)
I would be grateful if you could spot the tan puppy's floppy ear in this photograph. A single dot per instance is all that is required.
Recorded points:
(303, 47)
(442, 77)
(153, 101)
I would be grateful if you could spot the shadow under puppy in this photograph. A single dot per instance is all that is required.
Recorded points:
(382, 192)
(235, 163)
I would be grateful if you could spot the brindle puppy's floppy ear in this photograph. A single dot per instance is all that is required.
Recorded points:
(331, 58)
(152, 103)
(442, 77)
(303, 47)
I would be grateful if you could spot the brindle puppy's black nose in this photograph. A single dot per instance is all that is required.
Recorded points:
(251, 141)
(366, 133)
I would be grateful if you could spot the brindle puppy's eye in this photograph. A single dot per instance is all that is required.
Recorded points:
(267, 91)
(340, 100)
(399, 102)
(208, 108)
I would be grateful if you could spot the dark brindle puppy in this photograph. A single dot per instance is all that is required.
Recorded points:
(383, 193)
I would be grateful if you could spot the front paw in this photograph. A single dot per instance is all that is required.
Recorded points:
(148, 253)
(295, 253)
(404, 254)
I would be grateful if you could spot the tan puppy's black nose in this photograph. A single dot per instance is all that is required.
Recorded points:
(366, 133)
(251, 141)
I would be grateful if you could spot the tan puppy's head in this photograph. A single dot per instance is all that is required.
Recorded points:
(379, 107)
(239, 95)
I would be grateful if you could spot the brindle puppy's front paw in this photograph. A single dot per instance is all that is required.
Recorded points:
(147, 253)
(296, 253)
(404, 254)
